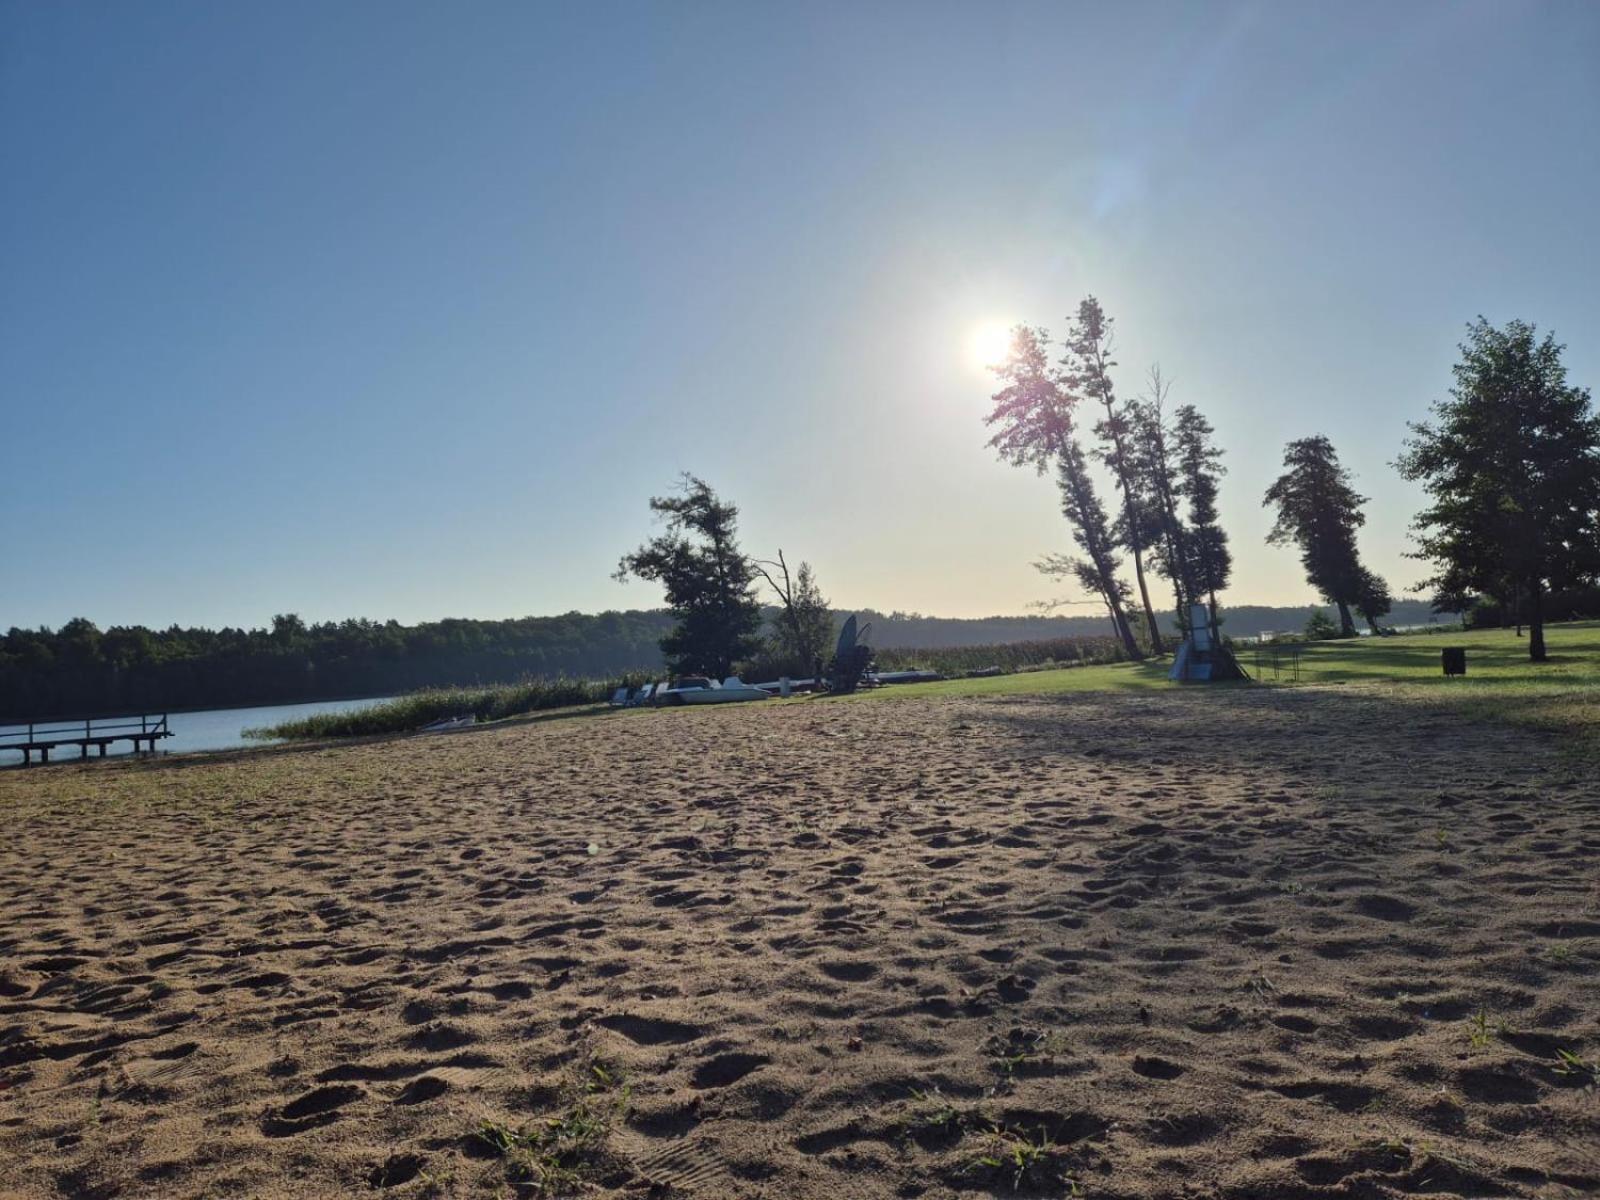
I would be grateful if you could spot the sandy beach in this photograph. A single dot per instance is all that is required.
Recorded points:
(1250, 944)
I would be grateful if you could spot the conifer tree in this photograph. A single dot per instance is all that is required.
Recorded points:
(1511, 465)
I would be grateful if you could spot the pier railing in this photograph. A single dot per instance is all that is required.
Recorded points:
(44, 736)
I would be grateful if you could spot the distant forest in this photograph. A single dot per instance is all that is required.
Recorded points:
(916, 632)
(79, 670)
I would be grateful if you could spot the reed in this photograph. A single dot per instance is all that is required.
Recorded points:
(420, 708)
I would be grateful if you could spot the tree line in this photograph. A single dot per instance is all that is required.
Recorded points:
(1510, 461)
(79, 669)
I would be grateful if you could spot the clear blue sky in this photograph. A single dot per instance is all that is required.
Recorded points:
(404, 310)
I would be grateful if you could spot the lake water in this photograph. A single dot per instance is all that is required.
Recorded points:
(219, 729)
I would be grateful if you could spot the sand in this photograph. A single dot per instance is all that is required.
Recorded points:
(1181, 944)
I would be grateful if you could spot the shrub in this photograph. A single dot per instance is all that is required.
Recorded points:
(410, 712)
(1320, 627)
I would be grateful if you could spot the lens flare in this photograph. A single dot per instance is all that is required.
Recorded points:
(988, 344)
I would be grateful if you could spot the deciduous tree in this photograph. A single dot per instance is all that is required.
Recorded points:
(1511, 465)
(1373, 600)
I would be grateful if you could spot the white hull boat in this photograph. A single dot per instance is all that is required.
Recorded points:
(695, 690)
(448, 723)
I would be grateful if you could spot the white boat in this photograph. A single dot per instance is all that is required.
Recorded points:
(696, 689)
(774, 687)
(444, 723)
(905, 677)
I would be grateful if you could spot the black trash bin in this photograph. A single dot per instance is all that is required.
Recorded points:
(1455, 660)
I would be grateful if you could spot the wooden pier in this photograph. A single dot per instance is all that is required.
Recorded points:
(42, 737)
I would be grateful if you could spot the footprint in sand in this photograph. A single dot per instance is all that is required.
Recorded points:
(650, 1031)
(442, 1036)
(422, 1089)
(1385, 908)
(1157, 1068)
(685, 1166)
(727, 1069)
(320, 1106)
(1182, 1129)
(397, 1169)
(848, 971)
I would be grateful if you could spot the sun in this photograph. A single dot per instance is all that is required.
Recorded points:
(988, 344)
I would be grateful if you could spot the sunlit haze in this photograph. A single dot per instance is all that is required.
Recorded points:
(987, 345)
(405, 310)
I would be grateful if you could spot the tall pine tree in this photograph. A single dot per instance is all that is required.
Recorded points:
(710, 585)
(1320, 512)
(1087, 372)
(1033, 422)
(1200, 467)
(1157, 465)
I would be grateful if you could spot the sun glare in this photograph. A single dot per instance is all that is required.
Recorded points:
(988, 344)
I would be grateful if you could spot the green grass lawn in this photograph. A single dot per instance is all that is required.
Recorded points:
(1562, 694)
(1495, 657)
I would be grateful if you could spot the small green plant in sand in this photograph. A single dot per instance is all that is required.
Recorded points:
(1478, 1035)
(1571, 1066)
(934, 1113)
(558, 1153)
(1561, 954)
(1010, 1055)
(1260, 985)
(1392, 1143)
(1436, 1153)
(1007, 1064)
(1034, 1162)
(605, 1076)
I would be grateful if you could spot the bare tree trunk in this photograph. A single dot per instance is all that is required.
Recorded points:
(1108, 586)
(1156, 645)
(1347, 625)
(1119, 623)
(1098, 549)
(785, 593)
(1103, 388)
(1536, 651)
(1130, 644)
